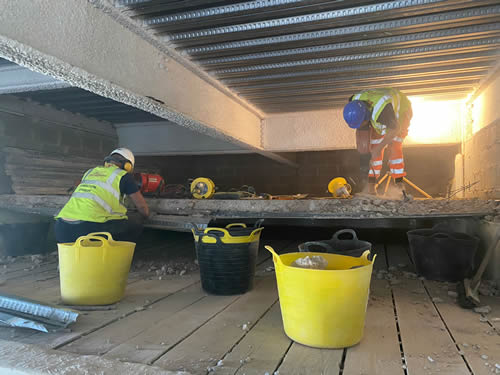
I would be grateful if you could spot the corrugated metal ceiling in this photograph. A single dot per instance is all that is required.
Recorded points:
(84, 102)
(80, 101)
(290, 55)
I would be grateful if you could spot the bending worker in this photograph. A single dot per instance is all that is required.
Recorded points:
(386, 112)
(97, 204)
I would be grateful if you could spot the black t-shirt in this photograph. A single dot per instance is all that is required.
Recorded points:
(128, 185)
(388, 117)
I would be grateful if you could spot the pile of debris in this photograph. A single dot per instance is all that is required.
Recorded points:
(155, 268)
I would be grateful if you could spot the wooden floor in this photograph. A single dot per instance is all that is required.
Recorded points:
(412, 326)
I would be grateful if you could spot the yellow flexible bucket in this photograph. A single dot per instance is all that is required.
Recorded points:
(324, 308)
(94, 270)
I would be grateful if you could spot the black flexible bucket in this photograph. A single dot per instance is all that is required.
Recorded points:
(442, 255)
(227, 268)
(351, 247)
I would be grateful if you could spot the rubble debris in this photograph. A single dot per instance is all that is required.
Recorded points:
(179, 266)
(316, 262)
(437, 300)
(410, 275)
(484, 356)
(220, 363)
(482, 309)
(429, 358)
(453, 294)
(482, 319)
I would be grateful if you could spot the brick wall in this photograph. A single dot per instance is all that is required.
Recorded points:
(481, 149)
(482, 162)
(430, 167)
(32, 133)
(30, 126)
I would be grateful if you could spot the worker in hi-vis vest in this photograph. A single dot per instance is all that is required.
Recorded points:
(386, 112)
(97, 203)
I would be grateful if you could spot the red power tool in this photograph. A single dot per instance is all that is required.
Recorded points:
(150, 184)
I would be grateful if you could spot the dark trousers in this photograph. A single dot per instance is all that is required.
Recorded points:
(121, 230)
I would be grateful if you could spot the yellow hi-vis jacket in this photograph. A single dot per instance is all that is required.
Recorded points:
(377, 99)
(98, 197)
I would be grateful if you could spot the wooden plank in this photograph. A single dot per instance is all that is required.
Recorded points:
(427, 346)
(124, 330)
(138, 295)
(210, 343)
(301, 360)
(474, 338)
(379, 352)
(261, 350)
(166, 333)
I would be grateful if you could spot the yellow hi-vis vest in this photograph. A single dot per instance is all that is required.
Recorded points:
(377, 99)
(97, 198)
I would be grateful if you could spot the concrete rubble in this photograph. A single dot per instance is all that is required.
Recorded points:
(155, 268)
(482, 309)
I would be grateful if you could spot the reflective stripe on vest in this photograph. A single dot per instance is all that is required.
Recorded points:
(377, 99)
(97, 198)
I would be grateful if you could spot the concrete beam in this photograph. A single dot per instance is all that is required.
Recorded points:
(15, 79)
(79, 43)
(167, 138)
(307, 131)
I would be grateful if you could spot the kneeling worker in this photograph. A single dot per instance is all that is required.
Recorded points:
(97, 204)
(386, 112)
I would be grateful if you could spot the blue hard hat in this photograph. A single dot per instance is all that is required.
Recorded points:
(355, 113)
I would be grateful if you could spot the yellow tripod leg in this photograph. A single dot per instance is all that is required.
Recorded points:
(416, 188)
(387, 184)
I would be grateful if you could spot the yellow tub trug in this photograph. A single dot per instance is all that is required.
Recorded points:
(94, 270)
(324, 308)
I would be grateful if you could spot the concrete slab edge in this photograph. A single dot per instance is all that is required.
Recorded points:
(49, 65)
(134, 26)
(25, 359)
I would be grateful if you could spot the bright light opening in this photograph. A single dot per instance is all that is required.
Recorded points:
(435, 122)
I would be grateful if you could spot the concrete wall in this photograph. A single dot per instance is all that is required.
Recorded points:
(433, 123)
(315, 169)
(167, 138)
(481, 148)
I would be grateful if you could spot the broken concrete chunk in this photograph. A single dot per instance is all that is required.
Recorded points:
(453, 294)
(437, 300)
(483, 319)
(429, 358)
(484, 356)
(482, 309)
(182, 272)
(316, 262)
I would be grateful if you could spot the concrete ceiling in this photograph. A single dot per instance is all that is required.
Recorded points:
(295, 55)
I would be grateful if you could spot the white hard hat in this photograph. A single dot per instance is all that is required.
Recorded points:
(126, 153)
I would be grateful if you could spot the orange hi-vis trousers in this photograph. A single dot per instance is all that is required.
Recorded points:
(396, 161)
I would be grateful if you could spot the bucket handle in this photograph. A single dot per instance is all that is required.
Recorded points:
(258, 223)
(276, 257)
(108, 235)
(78, 245)
(342, 231)
(211, 235)
(256, 231)
(306, 246)
(243, 225)
(366, 255)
